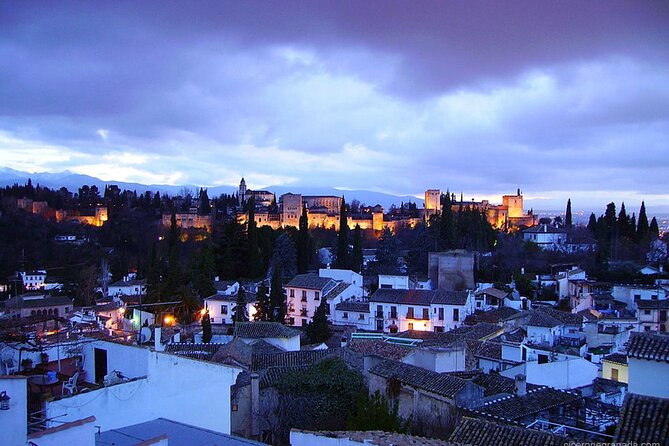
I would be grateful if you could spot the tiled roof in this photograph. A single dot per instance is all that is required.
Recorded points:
(379, 438)
(290, 359)
(617, 358)
(433, 339)
(492, 291)
(420, 297)
(379, 348)
(643, 419)
(548, 317)
(418, 377)
(517, 336)
(248, 297)
(19, 302)
(273, 375)
(485, 433)
(649, 346)
(517, 407)
(337, 290)
(565, 317)
(494, 384)
(235, 352)
(489, 350)
(257, 330)
(311, 282)
(348, 305)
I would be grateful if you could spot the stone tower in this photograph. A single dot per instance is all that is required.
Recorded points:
(242, 191)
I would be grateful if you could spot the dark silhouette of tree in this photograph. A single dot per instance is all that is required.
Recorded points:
(205, 205)
(277, 296)
(654, 230)
(568, 217)
(239, 313)
(253, 252)
(592, 223)
(357, 258)
(284, 255)
(206, 328)
(319, 330)
(343, 261)
(387, 249)
(447, 225)
(263, 305)
(642, 226)
(376, 413)
(303, 254)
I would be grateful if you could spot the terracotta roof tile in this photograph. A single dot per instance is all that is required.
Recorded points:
(643, 419)
(486, 433)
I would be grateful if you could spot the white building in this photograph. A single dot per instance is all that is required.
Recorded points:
(342, 275)
(274, 333)
(33, 280)
(127, 286)
(351, 312)
(396, 282)
(422, 310)
(221, 306)
(546, 236)
(648, 364)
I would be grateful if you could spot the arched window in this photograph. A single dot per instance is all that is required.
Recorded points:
(50, 312)
(55, 311)
(33, 312)
(39, 312)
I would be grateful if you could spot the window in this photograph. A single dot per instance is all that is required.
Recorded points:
(224, 309)
(663, 315)
(345, 316)
(441, 314)
(304, 295)
(361, 317)
(410, 325)
(410, 314)
(393, 312)
(386, 286)
(646, 312)
(542, 359)
(614, 374)
(438, 329)
(646, 328)
(292, 292)
(637, 296)
(456, 314)
(304, 322)
(291, 321)
(653, 297)
(426, 313)
(317, 295)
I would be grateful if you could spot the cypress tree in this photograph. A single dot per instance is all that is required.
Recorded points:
(357, 249)
(592, 223)
(277, 297)
(654, 230)
(239, 313)
(205, 205)
(568, 218)
(206, 328)
(253, 252)
(263, 305)
(303, 243)
(642, 226)
(623, 222)
(319, 329)
(447, 224)
(342, 239)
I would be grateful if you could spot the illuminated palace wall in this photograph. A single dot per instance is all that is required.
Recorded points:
(98, 219)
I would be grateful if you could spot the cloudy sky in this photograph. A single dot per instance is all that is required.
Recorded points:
(560, 99)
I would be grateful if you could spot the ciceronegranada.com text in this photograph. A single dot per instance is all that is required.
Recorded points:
(598, 443)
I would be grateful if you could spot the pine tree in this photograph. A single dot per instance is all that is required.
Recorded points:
(319, 330)
(303, 243)
(206, 328)
(239, 313)
(357, 258)
(568, 218)
(205, 205)
(263, 305)
(342, 239)
(277, 297)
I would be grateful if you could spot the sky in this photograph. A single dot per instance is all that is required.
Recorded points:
(561, 99)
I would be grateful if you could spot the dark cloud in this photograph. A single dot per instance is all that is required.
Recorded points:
(479, 96)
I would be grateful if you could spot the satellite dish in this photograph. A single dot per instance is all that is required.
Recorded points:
(144, 334)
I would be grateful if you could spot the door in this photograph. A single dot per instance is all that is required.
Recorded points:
(100, 364)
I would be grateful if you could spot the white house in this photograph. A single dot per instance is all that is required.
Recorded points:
(33, 280)
(648, 364)
(274, 333)
(351, 312)
(631, 294)
(220, 306)
(422, 310)
(342, 275)
(305, 291)
(127, 286)
(546, 236)
(395, 282)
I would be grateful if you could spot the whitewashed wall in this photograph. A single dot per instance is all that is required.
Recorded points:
(13, 427)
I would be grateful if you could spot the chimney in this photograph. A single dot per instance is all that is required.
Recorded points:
(177, 336)
(157, 340)
(255, 405)
(521, 385)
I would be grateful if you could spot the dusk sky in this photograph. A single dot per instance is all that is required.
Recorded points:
(562, 99)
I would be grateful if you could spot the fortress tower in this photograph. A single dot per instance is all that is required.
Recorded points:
(242, 191)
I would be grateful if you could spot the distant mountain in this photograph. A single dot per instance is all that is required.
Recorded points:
(73, 181)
